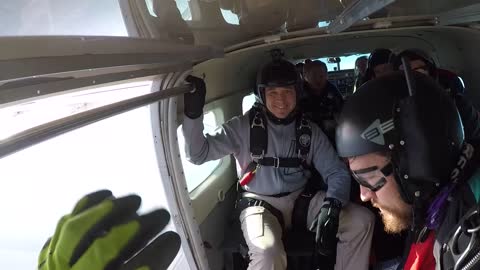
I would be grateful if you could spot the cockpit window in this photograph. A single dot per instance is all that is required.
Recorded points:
(346, 62)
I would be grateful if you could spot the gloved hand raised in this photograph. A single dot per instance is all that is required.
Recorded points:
(102, 233)
(193, 102)
(325, 226)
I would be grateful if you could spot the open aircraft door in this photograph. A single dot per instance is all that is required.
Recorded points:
(55, 86)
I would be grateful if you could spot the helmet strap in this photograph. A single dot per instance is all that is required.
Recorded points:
(418, 217)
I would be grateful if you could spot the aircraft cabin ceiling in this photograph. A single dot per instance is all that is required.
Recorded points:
(220, 23)
(71, 43)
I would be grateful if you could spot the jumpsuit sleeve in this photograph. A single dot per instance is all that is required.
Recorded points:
(200, 148)
(332, 169)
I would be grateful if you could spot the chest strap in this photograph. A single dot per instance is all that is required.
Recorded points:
(281, 162)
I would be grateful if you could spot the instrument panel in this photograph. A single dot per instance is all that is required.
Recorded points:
(344, 80)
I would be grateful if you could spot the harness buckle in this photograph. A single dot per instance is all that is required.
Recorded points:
(255, 202)
(276, 162)
(257, 157)
(257, 121)
(304, 123)
(306, 195)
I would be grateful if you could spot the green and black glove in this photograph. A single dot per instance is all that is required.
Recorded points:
(105, 233)
(193, 102)
(325, 226)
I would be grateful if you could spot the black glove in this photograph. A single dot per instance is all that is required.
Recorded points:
(325, 226)
(193, 102)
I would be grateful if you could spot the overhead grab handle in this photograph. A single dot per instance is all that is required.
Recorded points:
(52, 129)
(355, 12)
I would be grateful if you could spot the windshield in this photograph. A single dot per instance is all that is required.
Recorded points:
(219, 23)
(346, 62)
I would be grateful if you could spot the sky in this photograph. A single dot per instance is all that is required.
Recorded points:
(43, 182)
(61, 17)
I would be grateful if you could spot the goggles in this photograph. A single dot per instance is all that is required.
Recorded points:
(373, 178)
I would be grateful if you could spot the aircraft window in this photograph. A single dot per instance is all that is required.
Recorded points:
(323, 23)
(230, 17)
(196, 174)
(182, 5)
(62, 17)
(248, 102)
(43, 182)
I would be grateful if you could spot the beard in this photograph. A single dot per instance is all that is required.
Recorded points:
(395, 219)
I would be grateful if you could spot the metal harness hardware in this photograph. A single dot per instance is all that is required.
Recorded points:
(259, 141)
(276, 162)
(471, 219)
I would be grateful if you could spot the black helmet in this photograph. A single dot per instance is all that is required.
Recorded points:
(379, 56)
(417, 54)
(423, 131)
(278, 72)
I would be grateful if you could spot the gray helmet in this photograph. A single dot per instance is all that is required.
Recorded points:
(423, 132)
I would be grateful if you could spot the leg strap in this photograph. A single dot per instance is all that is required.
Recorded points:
(245, 202)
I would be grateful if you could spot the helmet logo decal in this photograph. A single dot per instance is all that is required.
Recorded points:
(375, 131)
(304, 140)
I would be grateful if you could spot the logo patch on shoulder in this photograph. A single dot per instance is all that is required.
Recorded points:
(375, 131)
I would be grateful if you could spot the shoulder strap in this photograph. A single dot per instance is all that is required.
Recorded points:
(258, 132)
(259, 140)
(304, 135)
